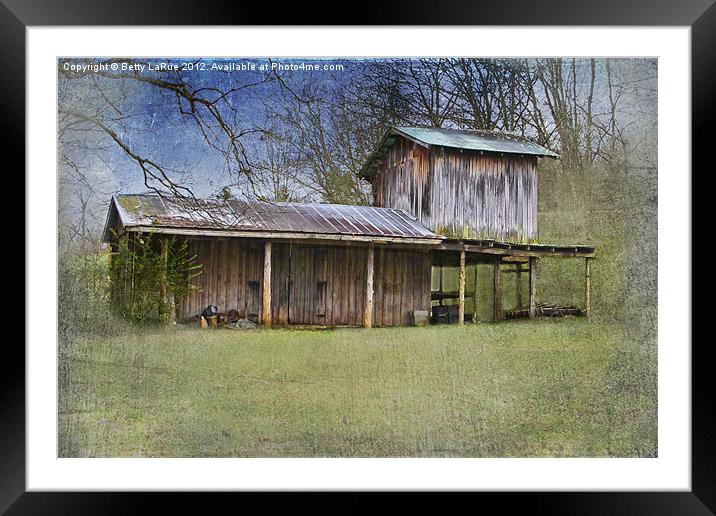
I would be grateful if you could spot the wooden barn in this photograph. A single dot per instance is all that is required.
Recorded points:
(461, 184)
(288, 263)
(443, 198)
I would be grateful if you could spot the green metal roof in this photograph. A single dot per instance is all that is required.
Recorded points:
(485, 141)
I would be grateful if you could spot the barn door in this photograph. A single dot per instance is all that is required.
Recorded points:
(307, 285)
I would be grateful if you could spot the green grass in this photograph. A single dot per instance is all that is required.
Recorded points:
(531, 388)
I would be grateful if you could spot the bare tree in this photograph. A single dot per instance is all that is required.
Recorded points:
(105, 103)
(327, 139)
(495, 94)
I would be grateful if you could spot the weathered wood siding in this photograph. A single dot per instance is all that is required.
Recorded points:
(461, 193)
(312, 285)
(323, 285)
(327, 285)
(231, 278)
(401, 284)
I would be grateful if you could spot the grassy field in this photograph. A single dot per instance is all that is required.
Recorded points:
(531, 388)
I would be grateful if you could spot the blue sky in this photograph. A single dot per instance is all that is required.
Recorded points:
(157, 129)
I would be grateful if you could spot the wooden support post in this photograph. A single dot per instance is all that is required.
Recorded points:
(368, 308)
(518, 285)
(474, 298)
(461, 308)
(533, 287)
(497, 290)
(587, 288)
(266, 308)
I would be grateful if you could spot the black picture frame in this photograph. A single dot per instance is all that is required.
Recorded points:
(700, 15)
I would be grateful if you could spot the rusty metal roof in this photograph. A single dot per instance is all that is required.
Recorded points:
(148, 210)
(485, 141)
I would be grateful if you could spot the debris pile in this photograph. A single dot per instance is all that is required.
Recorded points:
(545, 310)
(211, 316)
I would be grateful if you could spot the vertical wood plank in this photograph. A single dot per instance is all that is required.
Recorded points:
(276, 271)
(240, 280)
(378, 285)
(235, 275)
(339, 257)
(388, 289)
(394, 288)
(461, 288)
(361, 279)
(397, 287)
(368, 309)
(204, 285)
(211, 287)
(350, 283)
(221, 276)
(285, 284)
(330, 260)
(302, 284)
(310, 285)
(266, 310)
(406, 296)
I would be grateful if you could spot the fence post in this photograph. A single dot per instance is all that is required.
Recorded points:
(533, 287)
(368, 307)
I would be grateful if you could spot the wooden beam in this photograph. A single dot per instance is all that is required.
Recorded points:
(515, 260)
(497, 290)
(587, 288)
(461, 308)
(368, 309)
(266, 308)
(437, 295)
(515, 253)
(533, 288)
(296, 237)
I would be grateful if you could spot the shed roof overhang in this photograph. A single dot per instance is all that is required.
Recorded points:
(278, 235)
(279, 221)
(486, 251)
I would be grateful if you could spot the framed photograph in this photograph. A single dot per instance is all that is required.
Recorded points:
(418, 258)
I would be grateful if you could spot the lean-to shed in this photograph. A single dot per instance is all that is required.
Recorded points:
(286, 263)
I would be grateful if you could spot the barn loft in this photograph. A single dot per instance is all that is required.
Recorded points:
(443, 198)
